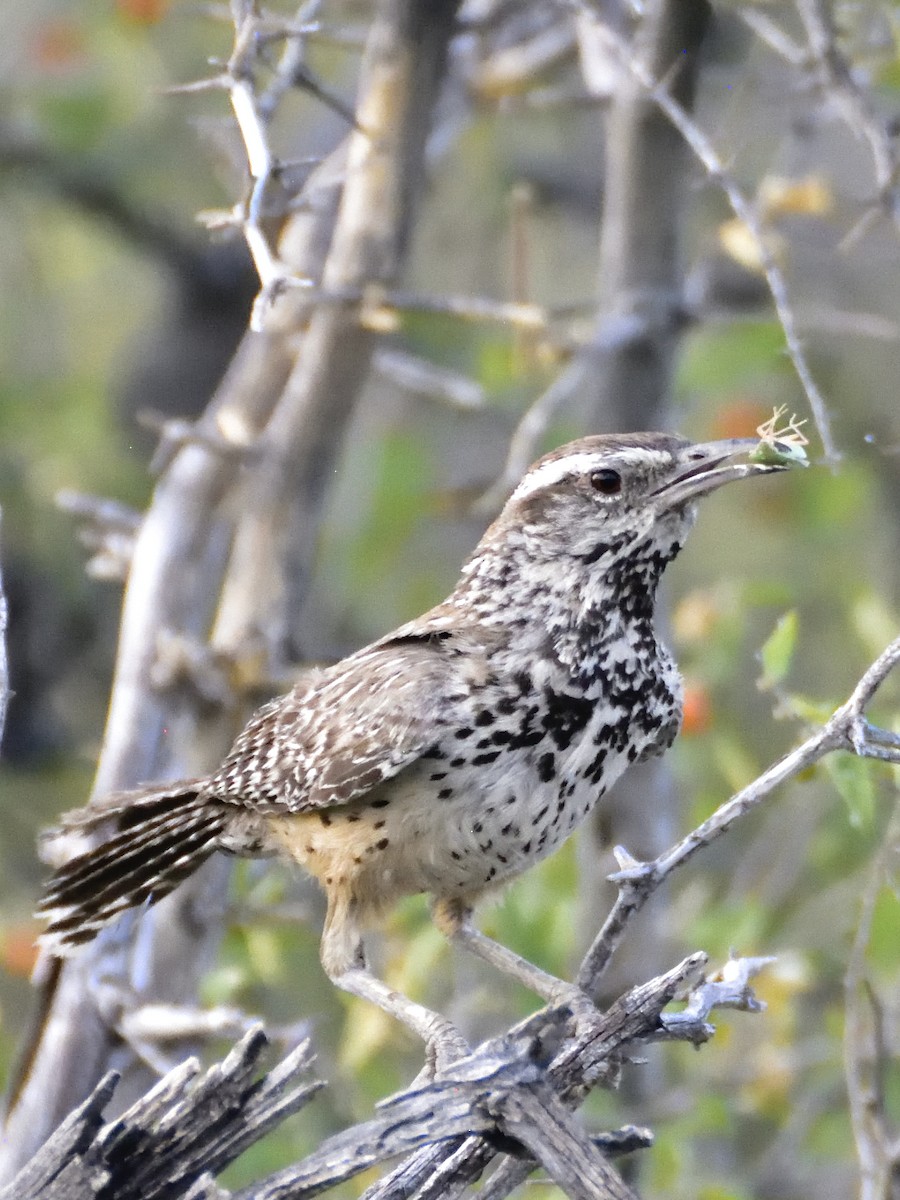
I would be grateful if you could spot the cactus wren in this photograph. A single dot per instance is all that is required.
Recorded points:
(454, 753)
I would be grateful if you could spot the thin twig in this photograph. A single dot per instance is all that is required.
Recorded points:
(841, 89)
(715, 167)
(4, 663)
(847, 729)
(865, 1056)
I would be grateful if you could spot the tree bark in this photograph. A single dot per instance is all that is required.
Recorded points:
(206, 530)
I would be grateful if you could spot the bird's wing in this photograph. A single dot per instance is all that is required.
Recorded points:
(343, 731)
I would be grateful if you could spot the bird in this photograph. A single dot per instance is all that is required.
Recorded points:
(454, 753)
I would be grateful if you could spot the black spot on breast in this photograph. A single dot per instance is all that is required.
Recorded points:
(465, 731)
(456, 763)
(445, 793)
(565, 715)
(593, 555)
(546, 765)
(438, 775)
(532, 737)
(627, 696)
(485, 717)
(594, 773)
(325, 818)
(382, 844)
(379, 803)
(489, 756)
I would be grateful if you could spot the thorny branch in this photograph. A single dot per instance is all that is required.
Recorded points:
(848, 729)
(842, 90)
(703, 150)
(615, 329)
(291, 409)
(252, 116)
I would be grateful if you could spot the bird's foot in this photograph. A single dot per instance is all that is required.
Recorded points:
(445, 1046)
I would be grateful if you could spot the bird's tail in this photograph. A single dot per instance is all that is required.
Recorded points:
(130, 848)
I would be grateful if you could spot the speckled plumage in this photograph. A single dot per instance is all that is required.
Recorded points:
(462, 748)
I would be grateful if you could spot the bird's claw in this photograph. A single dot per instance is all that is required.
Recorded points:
(445, 1047)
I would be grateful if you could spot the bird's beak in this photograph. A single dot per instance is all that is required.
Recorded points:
(705, 466)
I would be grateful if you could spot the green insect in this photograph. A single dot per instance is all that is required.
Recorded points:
(777, 446)
(772, 453)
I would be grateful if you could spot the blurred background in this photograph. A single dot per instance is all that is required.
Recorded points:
(119, 311)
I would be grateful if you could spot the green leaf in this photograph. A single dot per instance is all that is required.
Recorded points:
(884, 945)
(777, 651)
(853, 779)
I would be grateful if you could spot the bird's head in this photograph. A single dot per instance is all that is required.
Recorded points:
(603, 497)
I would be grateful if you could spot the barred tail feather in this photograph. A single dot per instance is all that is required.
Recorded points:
(151, 841)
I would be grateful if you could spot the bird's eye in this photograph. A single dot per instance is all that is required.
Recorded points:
(606, 481)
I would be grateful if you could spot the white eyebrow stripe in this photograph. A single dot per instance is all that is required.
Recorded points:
(580, 463)
(554, 471)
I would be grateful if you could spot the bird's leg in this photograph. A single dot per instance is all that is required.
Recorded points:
(454, 919)
(344, 961)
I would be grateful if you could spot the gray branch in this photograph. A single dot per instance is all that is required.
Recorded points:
(169, 1144)
(226, 550)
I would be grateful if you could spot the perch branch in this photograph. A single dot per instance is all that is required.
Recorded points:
(847, 729)
(171, 1142)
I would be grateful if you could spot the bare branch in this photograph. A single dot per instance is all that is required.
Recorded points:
(299, 393)
(4, 661)
(847, 729)
(864, 1051)
(841, 89)
(714, 165)
(625, 364)
(188, 1127)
